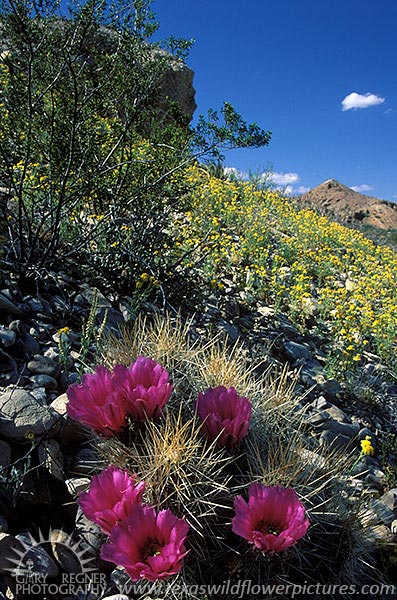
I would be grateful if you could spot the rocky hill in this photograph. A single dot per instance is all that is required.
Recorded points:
(339, 201)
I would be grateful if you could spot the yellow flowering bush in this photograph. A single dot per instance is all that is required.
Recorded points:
(295, 259)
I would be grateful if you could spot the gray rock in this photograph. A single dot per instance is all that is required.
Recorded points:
(360, 468)
(314, 367)
(332, 386)
(51, 457)
(47, 308)
(73, 378)
(113, 319)
(346, 429)
(176, 84)
(29, 346)
(294, 351)
(22, 415)
(335, 441)
(7, 337)
(43, 564)
(317, 418)
(5, 454)
(379, 534)
(338, 415)
(43, 365)
(376, 512)
(52, 353)
(35, 305)
(320, 403)
(310, 372)
(88, 533)
(266, 311)
(45, 381)
(376, 479)
(390, 500)
(87, 296)
(17, 326)
(7, 290)
(126, 310)
(232, 332)
(40, 394)
(8, 368)
(60, 404)
(9, 307)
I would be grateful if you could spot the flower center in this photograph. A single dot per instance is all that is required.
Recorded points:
(266, 527)
(151, 548)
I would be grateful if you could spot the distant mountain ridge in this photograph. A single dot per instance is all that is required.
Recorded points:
(339, 201)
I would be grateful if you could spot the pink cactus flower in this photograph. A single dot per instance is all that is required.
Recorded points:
(149, 545)
(146, 388)
(110, 497)
(273, 520)
(98, 402)
(225, 414)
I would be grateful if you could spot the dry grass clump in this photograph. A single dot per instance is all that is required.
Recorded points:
(183, 471)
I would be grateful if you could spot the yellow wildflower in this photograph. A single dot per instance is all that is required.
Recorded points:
(64, 330)
(366, 446)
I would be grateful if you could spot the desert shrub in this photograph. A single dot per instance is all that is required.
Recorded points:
(86, 153)
(78, 94)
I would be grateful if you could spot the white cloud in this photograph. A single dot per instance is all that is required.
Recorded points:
(284, 178)
(233, 172)
(355, 100)
(281, 182)
(362, 188)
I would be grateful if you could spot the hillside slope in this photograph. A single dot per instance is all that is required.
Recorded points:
(337, 200)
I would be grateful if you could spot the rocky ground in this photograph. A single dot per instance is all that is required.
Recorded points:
(46, 459)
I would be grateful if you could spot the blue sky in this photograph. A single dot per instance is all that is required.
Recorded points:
(289, 65)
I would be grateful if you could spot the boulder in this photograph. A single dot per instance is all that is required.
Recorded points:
(43, 365)
(22, 417)
(9, 307)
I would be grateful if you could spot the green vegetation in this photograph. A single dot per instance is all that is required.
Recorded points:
(97, 182)
(322, 274)
(82, 151)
